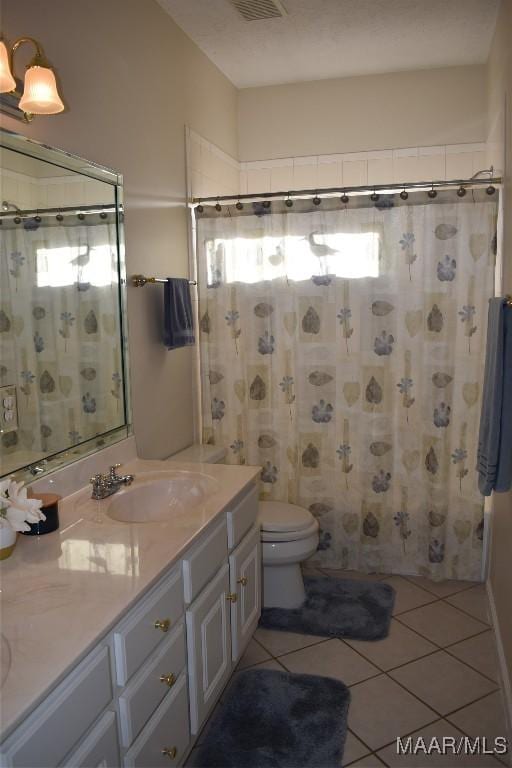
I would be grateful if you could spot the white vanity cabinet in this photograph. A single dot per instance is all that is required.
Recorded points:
(223, 616)
(139, 699)
(209, 647)
(245, 583)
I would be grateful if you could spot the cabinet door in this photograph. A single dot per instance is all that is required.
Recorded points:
(209, 647)
(100, 749)
(245, 581)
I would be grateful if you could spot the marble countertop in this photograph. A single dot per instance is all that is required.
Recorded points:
(62, 592)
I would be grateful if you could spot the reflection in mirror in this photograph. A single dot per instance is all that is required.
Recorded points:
(61, 351)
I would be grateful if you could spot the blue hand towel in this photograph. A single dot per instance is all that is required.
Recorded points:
(178, 319)
(494, 458)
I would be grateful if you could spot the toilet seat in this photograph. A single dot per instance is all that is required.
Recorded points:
(281, 521)
(275, 536)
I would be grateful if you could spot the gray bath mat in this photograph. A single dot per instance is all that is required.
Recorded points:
(356, 609)
(277, 719)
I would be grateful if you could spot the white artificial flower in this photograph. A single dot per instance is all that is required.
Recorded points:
(17, 508)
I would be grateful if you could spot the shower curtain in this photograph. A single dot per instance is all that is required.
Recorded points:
(342, 350)
(60, 338)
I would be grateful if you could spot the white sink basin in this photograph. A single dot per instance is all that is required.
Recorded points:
(158, 496)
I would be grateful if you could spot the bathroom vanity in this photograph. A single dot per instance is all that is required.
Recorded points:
(118, 637)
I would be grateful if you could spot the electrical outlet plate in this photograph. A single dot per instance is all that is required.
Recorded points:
(8, 409)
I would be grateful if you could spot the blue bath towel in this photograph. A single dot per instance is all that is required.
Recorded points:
(178, 318)
(494, 458)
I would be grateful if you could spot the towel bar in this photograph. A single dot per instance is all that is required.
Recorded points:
(139, 281)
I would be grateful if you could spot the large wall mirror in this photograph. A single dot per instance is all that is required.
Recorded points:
(63, 382)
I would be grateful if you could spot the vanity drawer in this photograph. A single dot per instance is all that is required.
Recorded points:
(168, 730)
(145, 692)
(53, 729)
(242, 516)
(146, 626)
(204, 560)
(99, 748)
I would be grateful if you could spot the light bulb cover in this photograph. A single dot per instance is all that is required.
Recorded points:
(7, 81)
(40, 95)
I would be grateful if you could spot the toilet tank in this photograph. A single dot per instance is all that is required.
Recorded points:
(201, 454)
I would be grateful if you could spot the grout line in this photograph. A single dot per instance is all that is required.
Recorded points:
(471, 584)
(471, 615)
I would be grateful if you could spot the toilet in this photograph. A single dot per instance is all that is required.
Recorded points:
(289, 535)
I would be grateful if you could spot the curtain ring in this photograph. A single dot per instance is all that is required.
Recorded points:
(432, 192)
(199, 208)
(461, 192)
(218, 206)
(404, 194)
(288, 202)
(374, 196)
(239, 205)
(316, 199)
(344, 198)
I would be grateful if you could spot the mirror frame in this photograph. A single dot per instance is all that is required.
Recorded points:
(60, 158)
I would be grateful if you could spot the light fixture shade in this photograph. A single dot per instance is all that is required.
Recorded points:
(40, 95)
(7, 81)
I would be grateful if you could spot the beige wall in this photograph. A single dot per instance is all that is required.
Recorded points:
(131, 80)
(404, 109)
(500, 126)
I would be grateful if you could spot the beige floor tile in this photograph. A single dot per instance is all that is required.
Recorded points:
(474, 601)
(333, 659)
(479, 652)
(277, 643)
(442, 623)
(442, 682)
(441, 588)
(354, 749)
(401, 646)
(270, 664)
(439, 730)
(408, 595)
(254, 654)
(482, 718)
(381, 710)
(370, 761)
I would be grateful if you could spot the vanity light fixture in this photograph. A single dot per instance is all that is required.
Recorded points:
(40, 94)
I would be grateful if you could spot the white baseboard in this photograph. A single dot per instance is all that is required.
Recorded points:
(504, 672)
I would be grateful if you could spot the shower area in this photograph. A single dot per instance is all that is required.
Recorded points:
(342, 347)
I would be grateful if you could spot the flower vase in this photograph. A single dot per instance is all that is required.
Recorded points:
(7, 539)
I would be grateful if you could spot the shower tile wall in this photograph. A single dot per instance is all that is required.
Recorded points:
(211, 171)
(29, 193)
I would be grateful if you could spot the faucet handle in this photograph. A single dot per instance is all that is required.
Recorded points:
(113, 469)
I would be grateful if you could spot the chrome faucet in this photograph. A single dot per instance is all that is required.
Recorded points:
(105, 485)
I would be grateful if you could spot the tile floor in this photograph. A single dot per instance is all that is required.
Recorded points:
(434, 675)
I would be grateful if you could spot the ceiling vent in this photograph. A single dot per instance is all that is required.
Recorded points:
(254, 10)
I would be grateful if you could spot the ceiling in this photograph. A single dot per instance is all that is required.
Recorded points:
(320, 39)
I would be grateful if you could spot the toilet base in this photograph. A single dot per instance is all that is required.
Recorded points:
(283, 586)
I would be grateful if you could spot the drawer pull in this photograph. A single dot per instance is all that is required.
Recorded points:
(231, 596)
(168, 679)
(243, 581)
(163, 625)
(170, 752)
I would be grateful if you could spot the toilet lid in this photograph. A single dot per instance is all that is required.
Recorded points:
(281, 517)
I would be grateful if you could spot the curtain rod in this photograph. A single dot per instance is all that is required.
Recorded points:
(365, 188)
(86, 209)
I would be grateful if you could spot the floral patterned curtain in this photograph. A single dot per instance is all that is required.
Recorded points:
(60, 340)
(342, 349)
